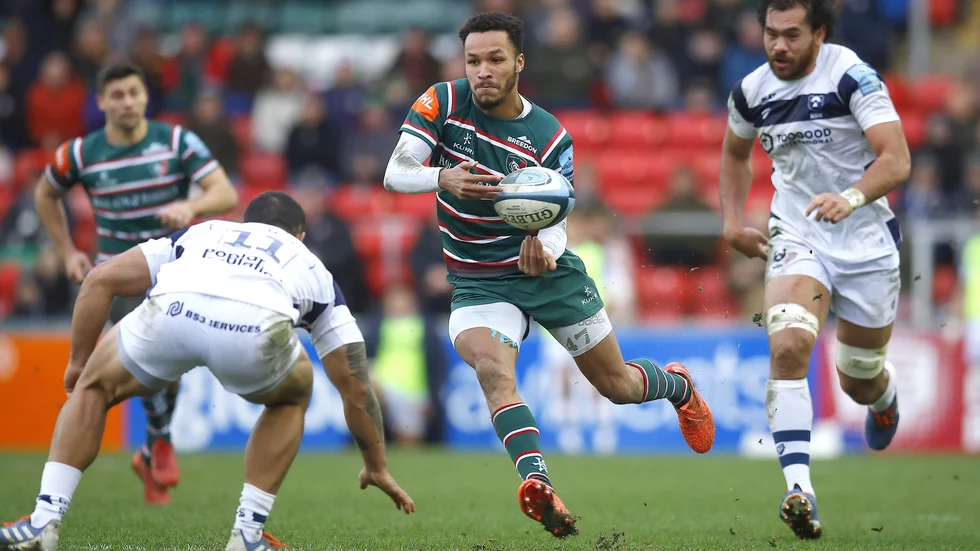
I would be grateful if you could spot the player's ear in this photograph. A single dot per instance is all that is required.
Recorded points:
(301, 236)
(519, 63)
(820, 35)
(98, 101)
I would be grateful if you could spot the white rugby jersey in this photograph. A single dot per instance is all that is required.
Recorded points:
(252, 263)
(813, 130)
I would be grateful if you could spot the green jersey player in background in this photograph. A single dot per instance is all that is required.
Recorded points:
(138, 175)
(474, 131)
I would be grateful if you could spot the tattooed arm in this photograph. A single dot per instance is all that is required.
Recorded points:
(347, 368)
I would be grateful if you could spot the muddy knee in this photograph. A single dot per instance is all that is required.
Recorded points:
(792, 331)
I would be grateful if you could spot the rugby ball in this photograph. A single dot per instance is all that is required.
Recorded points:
(534, 198)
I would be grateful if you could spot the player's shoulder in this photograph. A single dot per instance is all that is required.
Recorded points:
(442, 99)
(838, 60)
(748, 89)
(549, 135)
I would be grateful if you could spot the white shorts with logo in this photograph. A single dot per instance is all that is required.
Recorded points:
(865, 294)
(249, 349)
(504, 320)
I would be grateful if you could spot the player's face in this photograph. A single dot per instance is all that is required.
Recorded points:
(492, 65)
(791, 43)
(124, 102)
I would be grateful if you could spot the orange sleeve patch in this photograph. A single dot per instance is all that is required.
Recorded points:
(427, 105)
(62, 159)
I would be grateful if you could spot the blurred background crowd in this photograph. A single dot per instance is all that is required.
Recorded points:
(308, 95)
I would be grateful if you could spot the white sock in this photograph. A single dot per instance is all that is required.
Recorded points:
(885, 400)
(253, 510)
(58, 483)
(790, 412)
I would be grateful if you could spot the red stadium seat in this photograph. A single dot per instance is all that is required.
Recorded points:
(171, 117)
(589, 129)
(898, 90)
(265, 170)
(914, 124)
(9, 280)
(241, 128)
(352, 202)
(633, 201)
(28, 165)
(944, 282)
(695, 131)
(930, 92)
(661, 292)
(421, 205)
(636, 131)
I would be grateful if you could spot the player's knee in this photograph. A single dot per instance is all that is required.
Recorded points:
(792, 333)
(860, 369)
(495, 375)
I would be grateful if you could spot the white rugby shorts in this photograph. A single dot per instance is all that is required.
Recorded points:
(865, 294)
(249, 349)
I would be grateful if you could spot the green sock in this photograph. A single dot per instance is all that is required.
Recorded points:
(517, 430)
(159, 410)
(661, 384)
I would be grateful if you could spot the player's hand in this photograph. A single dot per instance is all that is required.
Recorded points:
(178, 215)
(72, 373)
(534, 260)
(750, 242)
(462, 184)
(830, 207)
(386, 483)
(77, 266)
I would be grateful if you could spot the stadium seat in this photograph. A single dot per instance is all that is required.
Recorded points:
(265, 170)
(354, 203)
(28, 165)
(170, 117)
(685, 130)
(660, 291)
(421, 206)
(9, 280)
(944, 282)
(914, 124)
(636, 131)
(241, 128)
(930, 92)
(7, 198)
(589, 129)
(898, 90)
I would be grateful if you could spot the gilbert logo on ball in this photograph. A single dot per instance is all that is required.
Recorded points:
(534, 198)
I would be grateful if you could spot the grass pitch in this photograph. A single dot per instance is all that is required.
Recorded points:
(468, 502)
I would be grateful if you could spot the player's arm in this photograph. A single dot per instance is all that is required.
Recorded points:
(538, 256)
(58, 178)
(219, 197)
(129, 274)
(201, 168)
(347, 369)
(420, 133)
(735, 179)
(862, 88)
(341, 348)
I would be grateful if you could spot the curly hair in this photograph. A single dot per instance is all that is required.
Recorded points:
(495, 21)
(819, 13)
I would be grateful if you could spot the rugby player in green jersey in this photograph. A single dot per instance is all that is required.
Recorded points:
(138, 175)
(474, 131)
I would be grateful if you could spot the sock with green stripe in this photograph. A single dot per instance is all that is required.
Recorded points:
(518, 431)
(658, 383)
(159, 410)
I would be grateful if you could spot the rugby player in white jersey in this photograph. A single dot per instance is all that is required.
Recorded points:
(837, 146)
(225, 295)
